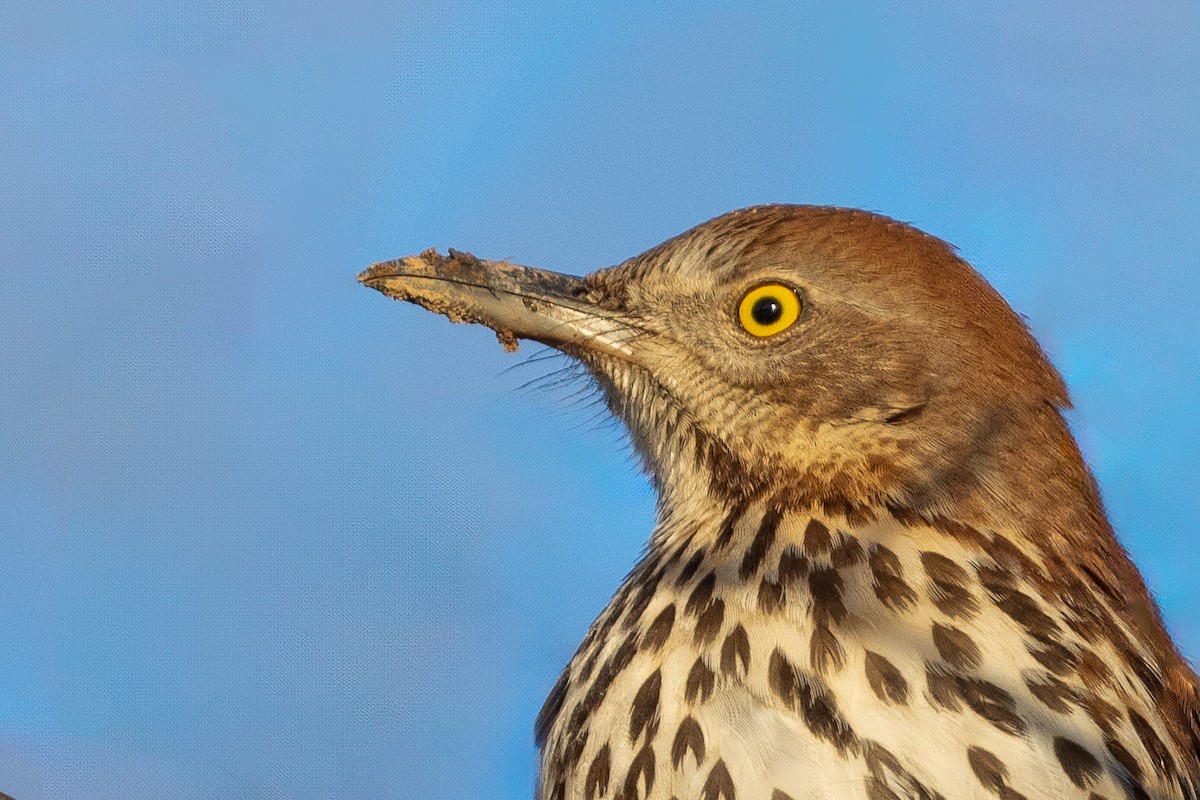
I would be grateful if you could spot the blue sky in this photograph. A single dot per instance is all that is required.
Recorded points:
(266, 534)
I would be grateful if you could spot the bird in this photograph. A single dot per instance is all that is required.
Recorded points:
(880, 568)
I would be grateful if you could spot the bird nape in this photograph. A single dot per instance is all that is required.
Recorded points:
(881, 568)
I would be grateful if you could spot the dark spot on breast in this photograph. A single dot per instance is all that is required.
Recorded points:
(856, 514)
(1160, 757)
(990, 771)
(709, 624)
(719, 785)
(656, 635)
(889, 779)
(620, 599)
(699, 599)
(986, 699)
(793, 567)
(1089, 624)
(906, 516)
(1146, 673)
(806, 694)
(1080, 766)
(735, 649)
(847, 552)
(725, 535)
(1053, 693)
(600, 631)
(888, 579)
(596, 784)
(885, 680)
(589, 665)
(995, 579)
(948, 586)
(943, 686)
(824, 650)
(700, 680)
(689, 569)
(551, 708)
(960, 532)
(1011, 559)
(1025, 611)
(817, 541)
(1123, 757)
(770, 596)
(1103, 713)
(620, 659)
(876, 790)
(604, 678)
(955, 646)
(1092, 670)
(1053, 655)
(678, 551)
(880, 761)
(779, 795)
(782, 677)
(641, 599)
(643, 714)
(575, 742)
(1134, 790)
(763, 539)
(993, 704)
(641, 771)
(825, 585)
(689, 737)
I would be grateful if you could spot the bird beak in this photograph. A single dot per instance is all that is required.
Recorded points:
(515, 301)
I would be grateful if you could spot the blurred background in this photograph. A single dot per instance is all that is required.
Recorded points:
(266, 534)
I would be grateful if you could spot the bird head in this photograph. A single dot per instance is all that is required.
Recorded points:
(824, 354)
(826, 358)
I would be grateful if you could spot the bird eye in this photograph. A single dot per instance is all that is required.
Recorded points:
(766, 310)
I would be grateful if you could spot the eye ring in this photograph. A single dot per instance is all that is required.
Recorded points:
(769, 309)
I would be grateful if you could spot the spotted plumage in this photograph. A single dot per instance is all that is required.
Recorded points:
(881, 569)
(992, 719)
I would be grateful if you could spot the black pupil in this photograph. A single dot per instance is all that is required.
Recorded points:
(767, 310)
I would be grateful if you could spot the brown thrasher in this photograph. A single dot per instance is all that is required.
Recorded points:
(881, 568)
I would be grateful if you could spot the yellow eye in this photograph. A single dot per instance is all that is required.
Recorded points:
(769, 309)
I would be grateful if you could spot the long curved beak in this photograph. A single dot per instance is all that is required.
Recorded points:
(515, 301)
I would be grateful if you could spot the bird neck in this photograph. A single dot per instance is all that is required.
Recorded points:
(1020, 481)
(1018, 470)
